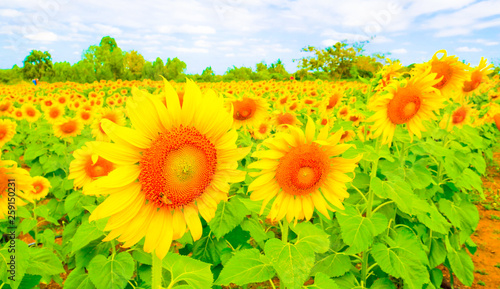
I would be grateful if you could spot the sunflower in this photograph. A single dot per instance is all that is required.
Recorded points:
(405, 102)
(68, 127)
(478, 75)
(88, 166)
(283, 120)
(31, 114)
(17, 114)
(5, 107)
(450, 71)
(175, 164)
(10, 173)
(7, 131)
(460, 116)
(113, 115)
(54, 114)
(301, 173)
(248, 111)
(85, 116)
(40, 189)
(262, 130)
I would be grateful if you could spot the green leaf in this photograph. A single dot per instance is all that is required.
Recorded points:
(312, 235)
(397, 190)
(333, 265)
(254, 206)
(428, 214)
(112, 272)
(43, 211)
(478, 163)
(208, 249)
(358, 231)
(22, 212)
(461, 213)
(462, 265)
(322, 281)
(227, 217)
(247, 266)
(21, 260)
(404, 259)
(33, 151)
(87, 253)
(78, 279)
(29, 281)
(86, 233)
(44, 261)
(292, 262)
(348, 281)
(383, 283)
(194, 272)
(419, 176)
(437, 253)
(469, 180)
(254, 227)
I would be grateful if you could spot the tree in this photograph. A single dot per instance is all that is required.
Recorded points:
(37, 64)
(336, 60)
(107, 59)
(134, 63)
(158, 69)
(174, 69)
(208, 74)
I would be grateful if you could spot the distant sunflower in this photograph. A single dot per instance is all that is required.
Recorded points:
(54, 113)
(248, 111)
(113, 115)
(41, 188)
(5, 107)
(460, 116)
(477, 76)
(31, 114)
(68, 127)
(283, 119)
(7, 131)
(450, 72)
(174, 165)
(301, 174)
(87, 166)
(262, 130)
(17, 114)
(406, 102)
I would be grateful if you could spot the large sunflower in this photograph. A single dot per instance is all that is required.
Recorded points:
(450, 72)
(406, 102)
(176, 163)
(13, 180)
(301, 173)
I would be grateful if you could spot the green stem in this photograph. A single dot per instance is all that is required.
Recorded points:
(36, 219)
(156, 271)
(284, 231)
(369, 211)
(402, 155)
(272, 283)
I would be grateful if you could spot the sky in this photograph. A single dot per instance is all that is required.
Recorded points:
(223, 33)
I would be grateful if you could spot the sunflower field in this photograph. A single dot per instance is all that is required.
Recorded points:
(269, 184)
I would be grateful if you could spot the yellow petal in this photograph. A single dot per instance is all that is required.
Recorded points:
(156, 226)
(307, 206)
(116, 153)
(320, 204)
(166, 236)
(260, 181)
(179, 224)
(310, 130)
(173, 104)
(120, 177)
(116, 203)
(124, 135)
(193, 222)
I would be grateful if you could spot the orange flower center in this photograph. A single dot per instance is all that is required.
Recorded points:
(68, 127)
(496, 118)
(302, 170)
(442, 69)
(54, 113)
(459, 115)
(3, 132)
(343, 112)
(178, 167)
(404, 105)
(332, 102)
(244, 109)
(30, 112)
(85, 115)
(4, 107)
(263, 128)
(285, 118)
(101, 168)
(476, 79)
(38, 188)
(19, 114)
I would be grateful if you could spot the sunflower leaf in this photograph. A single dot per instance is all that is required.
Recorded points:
(405, 258)
(312, 235)
(78, 279)
(247, 266)
(322, 281)
(194, 272)
(112, 272)
(228, 215)
(86, 233)
(462, 265)
(333, 265)
(358, 231)
(44, 261)
(292, 262)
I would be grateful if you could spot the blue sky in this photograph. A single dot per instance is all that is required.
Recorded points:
(223, 33)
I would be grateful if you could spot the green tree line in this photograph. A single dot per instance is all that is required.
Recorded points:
(107, 61)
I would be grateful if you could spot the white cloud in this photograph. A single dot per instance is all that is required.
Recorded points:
(186, 29)
(467, 49)
(43, 36)
(399, 51)
(187, 49)
(335, 36)
(482, 41)
(107, 30)
(10, 13)
(202, 43)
